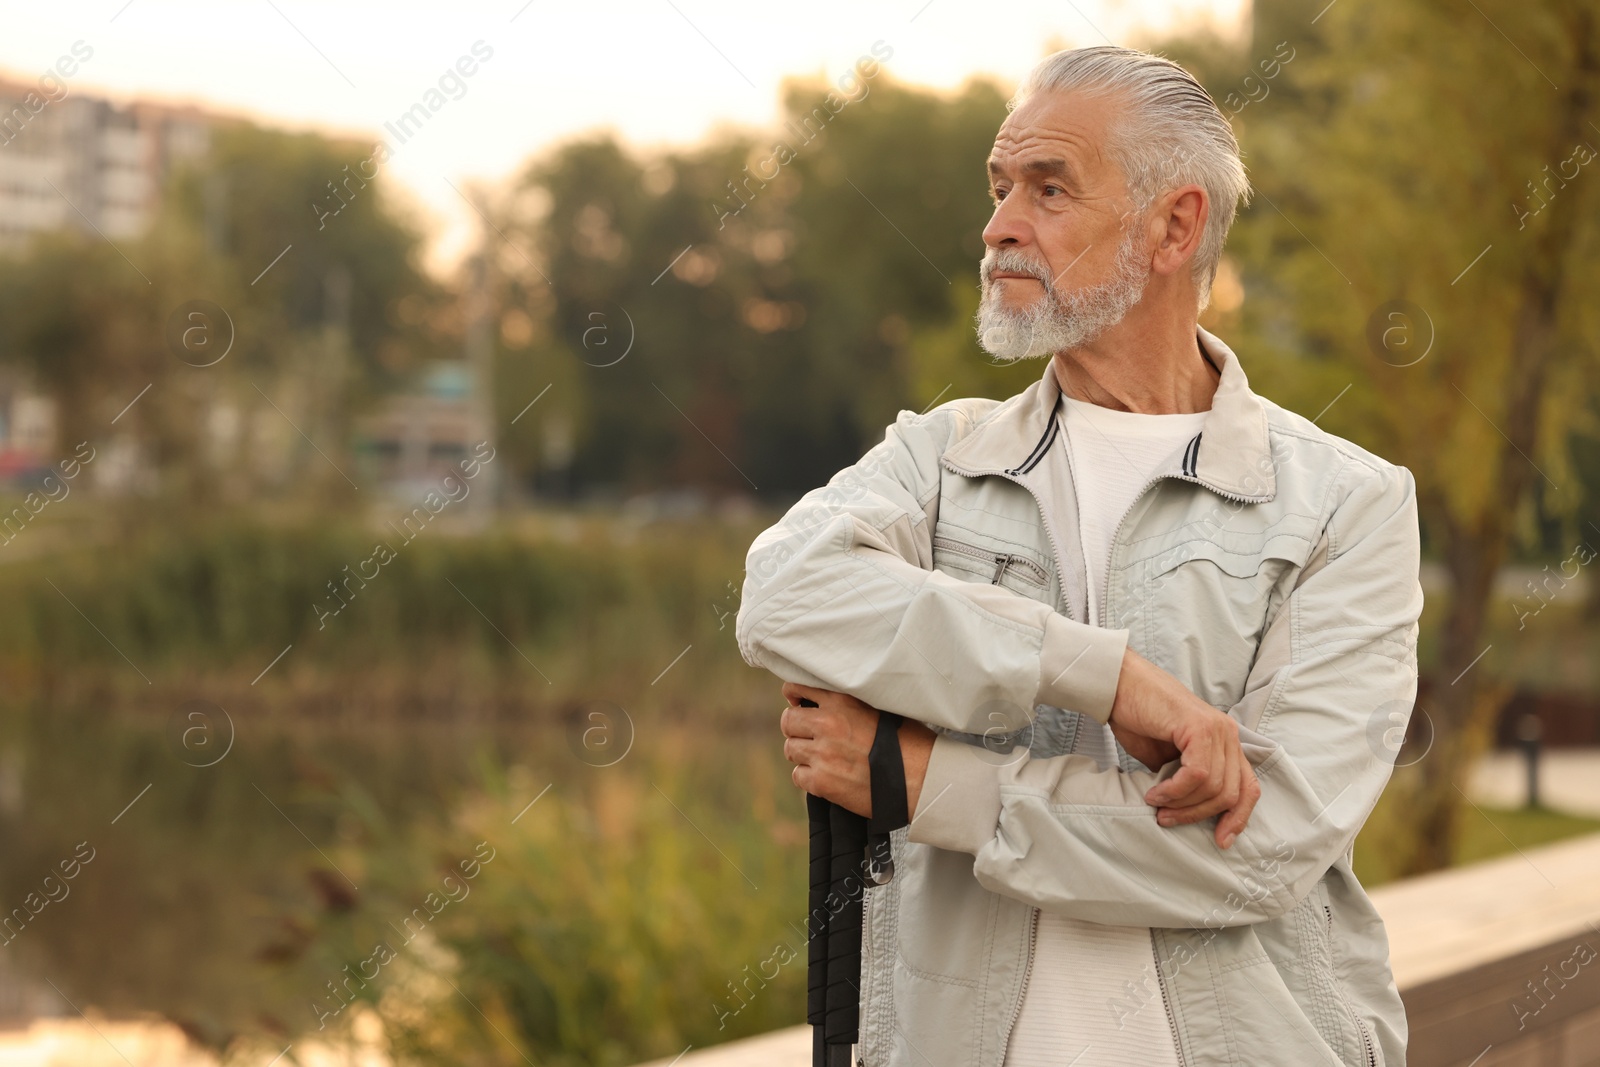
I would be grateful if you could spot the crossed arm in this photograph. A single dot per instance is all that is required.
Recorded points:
(841, 598)
(841, 595)
(1152, 716)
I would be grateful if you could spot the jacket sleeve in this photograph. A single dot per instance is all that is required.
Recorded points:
(842, 594)
(1334, 679)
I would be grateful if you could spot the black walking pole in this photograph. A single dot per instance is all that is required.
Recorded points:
(848, 852)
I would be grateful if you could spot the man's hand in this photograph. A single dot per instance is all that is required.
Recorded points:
(829, 744)
(1163, 720)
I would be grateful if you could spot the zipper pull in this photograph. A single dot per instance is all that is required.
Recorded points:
(1001, 562)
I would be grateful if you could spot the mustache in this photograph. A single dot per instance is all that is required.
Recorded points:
(1011, 261)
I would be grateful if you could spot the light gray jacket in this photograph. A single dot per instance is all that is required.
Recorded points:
(1271, 567)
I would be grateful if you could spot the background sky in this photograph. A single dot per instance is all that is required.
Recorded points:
(654, 71)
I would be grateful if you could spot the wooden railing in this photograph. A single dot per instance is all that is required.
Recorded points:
(1499, 962)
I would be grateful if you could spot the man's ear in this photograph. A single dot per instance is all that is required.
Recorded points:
(1183, 213)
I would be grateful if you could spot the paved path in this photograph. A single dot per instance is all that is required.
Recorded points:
(1569, 780)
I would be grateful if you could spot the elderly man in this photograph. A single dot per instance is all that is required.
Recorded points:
(1146, 629)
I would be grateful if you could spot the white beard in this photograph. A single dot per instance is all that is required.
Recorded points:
(1056, 322)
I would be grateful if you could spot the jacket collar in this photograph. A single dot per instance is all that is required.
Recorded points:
(1231, 455)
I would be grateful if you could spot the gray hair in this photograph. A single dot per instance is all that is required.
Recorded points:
(1171, 134)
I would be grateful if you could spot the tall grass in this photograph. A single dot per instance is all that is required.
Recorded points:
(510, 620)
(621, 919)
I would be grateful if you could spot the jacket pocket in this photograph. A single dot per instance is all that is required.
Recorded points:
(1234, 1006)
(973, 557)
(1199, 608)
(941, 916)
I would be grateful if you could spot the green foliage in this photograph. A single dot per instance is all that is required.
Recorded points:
(609, 929)
(783, 330)
(333, 322)
(86, 325)
(538, 615)
(1392, 166)
(261, 190)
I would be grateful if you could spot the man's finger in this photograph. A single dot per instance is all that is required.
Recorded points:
(799, 751)
(798, 722)
(1222, 802)
(793, 691)
(1234, 807)
(1189, 784)
(1198, 806)
(1183, 784)
(1222, 773)
(1233, 823)
(1221, 770)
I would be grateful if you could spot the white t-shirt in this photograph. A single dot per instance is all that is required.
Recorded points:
(1093, 996)
(1114, 454)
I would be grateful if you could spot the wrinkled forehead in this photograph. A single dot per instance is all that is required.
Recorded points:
(1070, 126)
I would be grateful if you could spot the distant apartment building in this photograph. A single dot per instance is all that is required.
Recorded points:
(85, 162)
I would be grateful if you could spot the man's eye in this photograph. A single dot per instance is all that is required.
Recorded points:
(1051, 189)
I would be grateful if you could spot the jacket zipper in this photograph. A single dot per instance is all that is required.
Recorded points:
(1055, 548)
(1366, 1041)
(1027, 972)
(861, 1014)
(1166, 1001)
(1361, 1027)
(1003, 561)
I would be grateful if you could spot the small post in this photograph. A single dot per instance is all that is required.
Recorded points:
(1529, 731)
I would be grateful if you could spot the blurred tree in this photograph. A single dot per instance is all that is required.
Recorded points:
(309, 262)
(352, 254)
(297, 236)
(770, 285)
(619, 333)
(887, 228)
(1425, 236)
(85, 324)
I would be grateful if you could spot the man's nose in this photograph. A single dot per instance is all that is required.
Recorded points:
(1008, 226)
